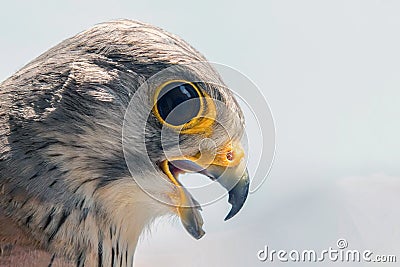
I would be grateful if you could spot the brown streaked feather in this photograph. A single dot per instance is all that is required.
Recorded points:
(19, 250)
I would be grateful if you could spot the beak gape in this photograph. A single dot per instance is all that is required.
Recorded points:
(235, 179)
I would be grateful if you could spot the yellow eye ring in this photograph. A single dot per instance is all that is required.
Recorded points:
(197, 119)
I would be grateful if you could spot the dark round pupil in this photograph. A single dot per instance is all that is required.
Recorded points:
(178, 103)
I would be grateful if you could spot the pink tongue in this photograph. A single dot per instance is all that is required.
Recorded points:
(187, 165)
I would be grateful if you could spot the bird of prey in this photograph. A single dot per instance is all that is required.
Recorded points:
(73, 191)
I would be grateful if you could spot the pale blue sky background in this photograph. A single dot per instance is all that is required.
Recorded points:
(330, 71)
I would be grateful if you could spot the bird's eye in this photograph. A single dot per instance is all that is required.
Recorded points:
(177, 103)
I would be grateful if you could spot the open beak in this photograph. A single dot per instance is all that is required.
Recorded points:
(227, 167)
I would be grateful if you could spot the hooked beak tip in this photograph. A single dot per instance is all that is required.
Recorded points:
(238, 195)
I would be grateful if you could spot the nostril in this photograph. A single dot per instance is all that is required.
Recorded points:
(230, 156)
